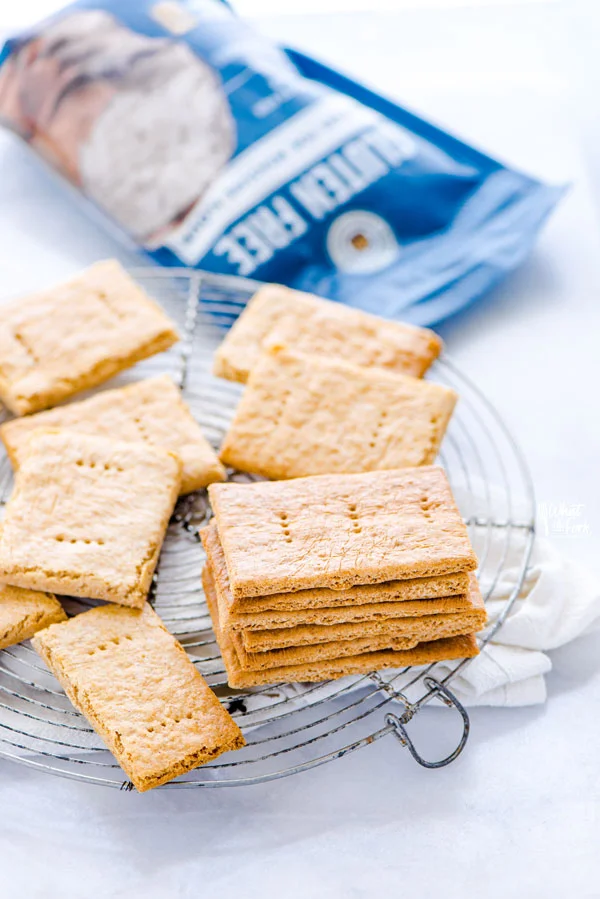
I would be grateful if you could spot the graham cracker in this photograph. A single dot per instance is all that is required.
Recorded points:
(331, 669)
(336, 531)
(151, 411)
(278, 316)
(418, 629)
(371, 612)
(302, 415)
(319, 652)
(134, 683)
(236, 620)
(24, 612)
(88, 516)
(77, 335)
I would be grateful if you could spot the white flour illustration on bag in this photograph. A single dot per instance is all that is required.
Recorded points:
(108, 113)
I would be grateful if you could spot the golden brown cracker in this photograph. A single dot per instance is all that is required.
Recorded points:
(60, 341)
(277, 316)
(88, 516)
(302, 415)
(134, 683)
(337, 531)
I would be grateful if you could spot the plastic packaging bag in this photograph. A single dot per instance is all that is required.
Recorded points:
(214, 149)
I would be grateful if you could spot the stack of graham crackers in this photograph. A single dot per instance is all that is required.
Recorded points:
(318, 577)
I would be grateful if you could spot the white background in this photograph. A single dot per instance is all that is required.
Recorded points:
(518, 813)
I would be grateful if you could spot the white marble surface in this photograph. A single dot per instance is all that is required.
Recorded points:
(518, 813)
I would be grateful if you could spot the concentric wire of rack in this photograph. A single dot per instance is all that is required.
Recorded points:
(288, 728)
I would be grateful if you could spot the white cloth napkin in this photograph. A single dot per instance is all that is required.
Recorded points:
(558, 602)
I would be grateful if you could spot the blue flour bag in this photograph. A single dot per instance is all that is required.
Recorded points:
(213, 149)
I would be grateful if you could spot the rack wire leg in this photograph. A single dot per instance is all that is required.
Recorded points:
(398, 724)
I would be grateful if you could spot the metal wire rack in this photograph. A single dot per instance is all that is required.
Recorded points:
(289, 728)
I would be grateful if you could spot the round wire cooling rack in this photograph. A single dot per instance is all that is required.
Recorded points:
(288, 728)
